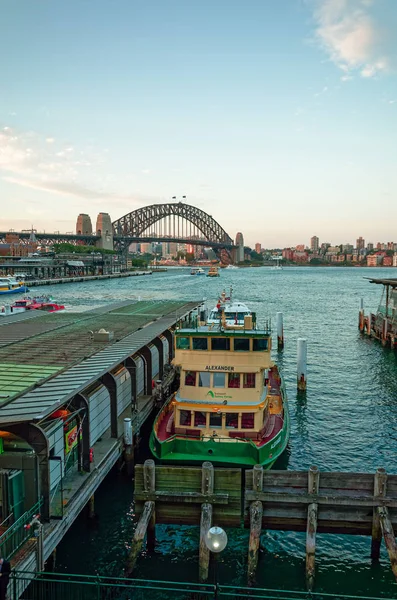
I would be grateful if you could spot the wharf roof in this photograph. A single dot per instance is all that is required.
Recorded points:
(55, 358)
(391, 282)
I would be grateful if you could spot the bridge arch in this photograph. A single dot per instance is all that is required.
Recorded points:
(135, 223)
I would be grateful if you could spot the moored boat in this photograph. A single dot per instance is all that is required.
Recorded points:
(231, 407)
(10, 285)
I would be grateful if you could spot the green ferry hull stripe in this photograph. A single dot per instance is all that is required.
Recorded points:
(228, 452)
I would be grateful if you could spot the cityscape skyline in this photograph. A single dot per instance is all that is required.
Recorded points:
(276, 118)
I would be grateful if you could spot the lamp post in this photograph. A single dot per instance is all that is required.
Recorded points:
(216, 541)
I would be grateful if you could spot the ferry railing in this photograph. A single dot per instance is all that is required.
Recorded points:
(48, 586)
(18, 533)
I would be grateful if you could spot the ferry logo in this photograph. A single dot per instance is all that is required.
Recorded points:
(210, 394)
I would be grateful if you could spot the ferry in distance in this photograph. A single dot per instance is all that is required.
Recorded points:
(10, 285)
(197, 271)
(231, 407)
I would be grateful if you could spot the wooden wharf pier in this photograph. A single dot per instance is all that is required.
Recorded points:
(382, 325)
(68, 382)
(308, 501)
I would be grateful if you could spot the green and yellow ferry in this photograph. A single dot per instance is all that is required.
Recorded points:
(231, 407)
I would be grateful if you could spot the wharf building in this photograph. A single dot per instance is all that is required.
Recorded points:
(62, 407)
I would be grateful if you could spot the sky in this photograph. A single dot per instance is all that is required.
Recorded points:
(278, 118)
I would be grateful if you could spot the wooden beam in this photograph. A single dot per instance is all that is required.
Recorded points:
(287, 497)
(380, 481)
(388, 536)
(256, 514)
(311, 528)
(139, 536)
(207, 489)
(188, 497)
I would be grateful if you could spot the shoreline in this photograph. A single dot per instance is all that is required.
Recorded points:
(81, 278)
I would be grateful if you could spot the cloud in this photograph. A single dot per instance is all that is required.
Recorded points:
(347, 31)
(28, 160)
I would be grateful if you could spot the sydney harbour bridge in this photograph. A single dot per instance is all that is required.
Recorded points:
(170, 222)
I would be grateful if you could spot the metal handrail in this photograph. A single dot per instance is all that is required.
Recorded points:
(17, 534)
(57, 581)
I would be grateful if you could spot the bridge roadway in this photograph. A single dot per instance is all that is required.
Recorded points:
(90, 240)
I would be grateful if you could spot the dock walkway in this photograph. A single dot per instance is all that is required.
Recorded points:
(65, 390)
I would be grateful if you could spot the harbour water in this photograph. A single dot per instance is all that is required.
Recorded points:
(346, 422)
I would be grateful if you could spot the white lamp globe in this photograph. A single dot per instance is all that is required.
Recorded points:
(216, 539)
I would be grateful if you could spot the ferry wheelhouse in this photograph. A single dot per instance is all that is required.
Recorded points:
(231, 407)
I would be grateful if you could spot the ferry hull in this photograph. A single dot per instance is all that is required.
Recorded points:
(222, 452)
(17, 290)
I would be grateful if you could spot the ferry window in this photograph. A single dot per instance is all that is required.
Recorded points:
(215, 419)
(183, 343)
(247, 421)
(220, 343)
(233, 380)
(185, 418)
(218, 380)
(190, 378)
(204, 379)
(249, 380)
(232, 420)
(200, 343)
(200, 419)
(260, 345)
(241, 345)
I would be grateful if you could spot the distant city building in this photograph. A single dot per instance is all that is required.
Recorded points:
(258, 248)
(395, 259)
(314, 244)
(300, 248)
(387, 261)
(370, 247)
(147, 248)
(240, 247)
(360, 243)
(347, 248)
(83, 225)
(373, 260)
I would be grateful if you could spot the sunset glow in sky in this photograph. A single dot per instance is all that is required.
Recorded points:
(279, 118)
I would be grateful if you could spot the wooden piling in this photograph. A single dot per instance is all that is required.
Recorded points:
(207, 487)
(204, 553)
(380, 481)
(91, 507)
(311, 527)
(302, 364)
(149, 478)
(280, 331)
(139, 536)
(361, 316)
(388, 536)
(256, 514)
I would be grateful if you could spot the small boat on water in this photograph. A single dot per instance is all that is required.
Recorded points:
(10, 285)
(44, 303)
(231, 407)
(213, 272)
(277, 266)
(197, 271)
(231, 267)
